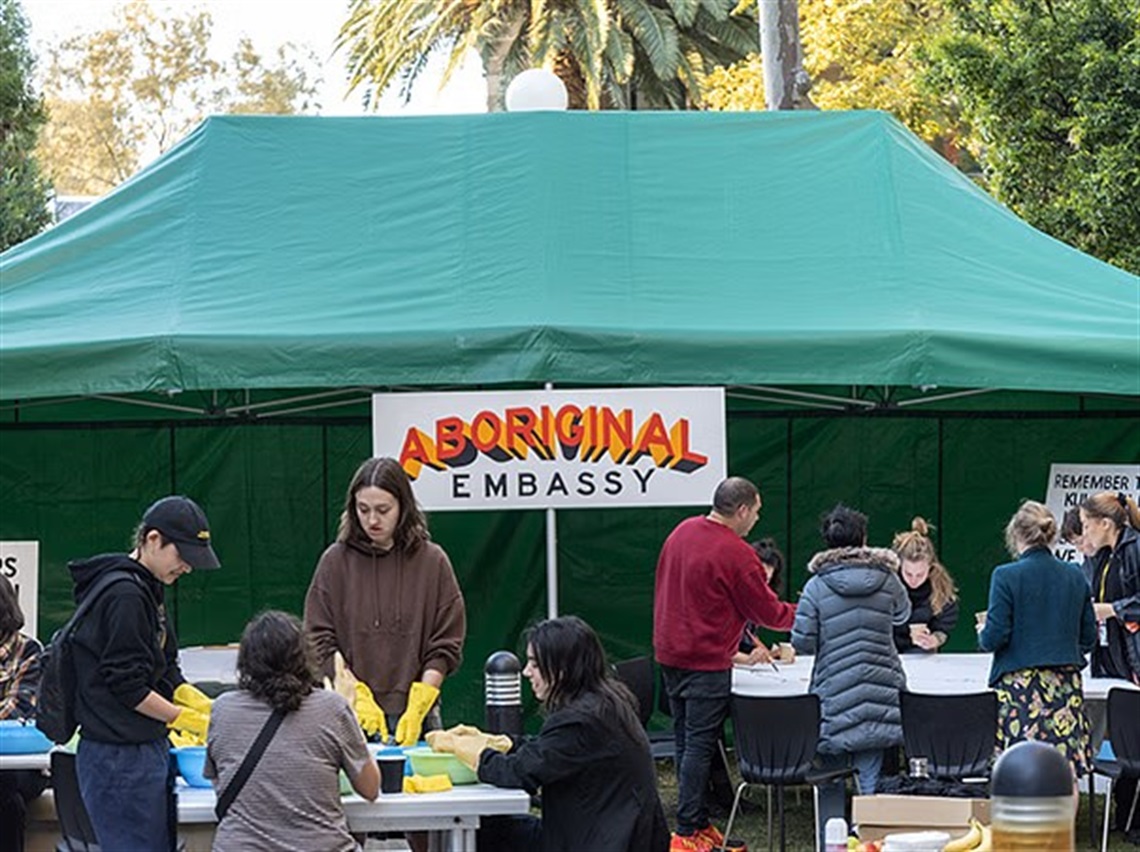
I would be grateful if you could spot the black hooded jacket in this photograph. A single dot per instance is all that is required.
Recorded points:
(599, 785)
(124, 648)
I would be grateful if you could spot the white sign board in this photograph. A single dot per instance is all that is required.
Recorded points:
(555, 448)
(1069, 484)
(20, 563)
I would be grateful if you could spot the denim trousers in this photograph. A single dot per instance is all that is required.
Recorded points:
(128, 790)
(699, 702)
(832, 796)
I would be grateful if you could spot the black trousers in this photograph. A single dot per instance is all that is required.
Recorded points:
(17, 788)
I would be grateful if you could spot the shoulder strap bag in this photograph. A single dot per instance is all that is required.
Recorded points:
(247, 765)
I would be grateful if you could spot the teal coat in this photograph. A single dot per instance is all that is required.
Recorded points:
(1040, 615)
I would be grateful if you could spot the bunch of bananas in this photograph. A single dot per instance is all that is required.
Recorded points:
(977, 839)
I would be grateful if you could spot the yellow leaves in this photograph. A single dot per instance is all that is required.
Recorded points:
(860, 54)
(739, 87)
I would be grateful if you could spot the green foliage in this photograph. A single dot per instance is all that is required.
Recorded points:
(121, 95)
(1051, 91)
(23, 190)
(610, 53)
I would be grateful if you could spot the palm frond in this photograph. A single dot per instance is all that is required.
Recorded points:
(655, 32)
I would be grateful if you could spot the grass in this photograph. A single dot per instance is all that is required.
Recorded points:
(752, 825)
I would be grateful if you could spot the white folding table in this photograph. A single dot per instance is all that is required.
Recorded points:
(451, 817)
(938, 674)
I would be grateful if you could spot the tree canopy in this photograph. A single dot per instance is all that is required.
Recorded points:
(859, 55)
(124, 94)
(23, 191)
(609, 53)
(1051, 92)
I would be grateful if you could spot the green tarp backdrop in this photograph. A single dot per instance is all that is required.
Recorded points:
(889, 335)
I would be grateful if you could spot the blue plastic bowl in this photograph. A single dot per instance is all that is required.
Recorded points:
(191, 763)
(18, 738)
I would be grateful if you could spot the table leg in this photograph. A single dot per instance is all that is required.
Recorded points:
(457, 840)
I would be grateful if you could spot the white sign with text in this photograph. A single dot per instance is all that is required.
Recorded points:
(1070, 483)
(555, 448)
(20, 563)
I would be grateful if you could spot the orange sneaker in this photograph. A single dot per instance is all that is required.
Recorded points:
(711, 835)
(689, 843)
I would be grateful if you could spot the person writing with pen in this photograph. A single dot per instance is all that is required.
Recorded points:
(753, 652)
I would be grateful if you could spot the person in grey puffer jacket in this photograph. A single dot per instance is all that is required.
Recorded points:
(846, 618)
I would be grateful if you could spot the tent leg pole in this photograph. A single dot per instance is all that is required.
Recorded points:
(551, 564)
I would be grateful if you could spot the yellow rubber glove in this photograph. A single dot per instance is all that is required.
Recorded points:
(468, 747)
(499, 742)
(426, 783)
(189, 722)
(368, 712)
(188, 695)
(421, 697)
(180, 740)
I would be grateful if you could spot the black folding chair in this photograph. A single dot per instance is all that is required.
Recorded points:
(74, 824)
(637, 674)
(1124, 734)
(776, 740)
(955, 733)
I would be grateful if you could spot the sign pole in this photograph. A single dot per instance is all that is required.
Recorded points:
(551, 555)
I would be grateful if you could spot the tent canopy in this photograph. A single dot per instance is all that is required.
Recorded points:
(615, 248)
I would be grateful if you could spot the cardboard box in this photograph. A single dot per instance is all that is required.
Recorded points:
(877, 816)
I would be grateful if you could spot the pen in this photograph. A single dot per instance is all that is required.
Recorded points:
(775, 668)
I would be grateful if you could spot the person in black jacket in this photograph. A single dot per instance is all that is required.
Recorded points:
(590, 760)
(933, 596)
(1110, 523)
(129, 688)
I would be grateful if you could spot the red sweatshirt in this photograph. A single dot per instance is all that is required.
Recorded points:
(709, 584)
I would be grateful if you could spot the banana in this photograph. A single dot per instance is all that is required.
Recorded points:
(987, 843)
(967, 841)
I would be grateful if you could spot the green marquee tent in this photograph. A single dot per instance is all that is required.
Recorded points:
(889, 337)
(621, 248)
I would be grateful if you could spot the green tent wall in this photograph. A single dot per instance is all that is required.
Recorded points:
(231, 306)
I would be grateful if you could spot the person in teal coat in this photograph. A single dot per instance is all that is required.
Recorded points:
(1039, 625)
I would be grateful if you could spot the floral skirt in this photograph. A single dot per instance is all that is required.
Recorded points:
(1048, 705)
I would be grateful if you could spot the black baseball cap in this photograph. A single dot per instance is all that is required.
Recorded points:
(183, 522)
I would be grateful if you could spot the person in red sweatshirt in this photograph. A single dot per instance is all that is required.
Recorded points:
(710, 583)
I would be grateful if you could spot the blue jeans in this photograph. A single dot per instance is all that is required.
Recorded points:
(128, 791)
(832, 796)
(699, 702)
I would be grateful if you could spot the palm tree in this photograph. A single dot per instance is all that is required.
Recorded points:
(617, 54)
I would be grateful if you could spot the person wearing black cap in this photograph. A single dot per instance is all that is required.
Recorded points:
(129, 687)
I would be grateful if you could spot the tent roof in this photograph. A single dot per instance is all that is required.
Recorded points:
(613, 248)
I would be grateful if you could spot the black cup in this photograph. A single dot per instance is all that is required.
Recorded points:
(391, 772)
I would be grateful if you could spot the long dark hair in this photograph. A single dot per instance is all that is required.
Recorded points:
(11, 616)
(570, 657)
(384, 473)
(275, 660)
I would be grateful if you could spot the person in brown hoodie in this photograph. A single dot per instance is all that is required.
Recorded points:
(385, 597)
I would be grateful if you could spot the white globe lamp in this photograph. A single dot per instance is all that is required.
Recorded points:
(536, 89)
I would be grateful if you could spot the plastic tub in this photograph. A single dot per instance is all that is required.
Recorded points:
(191, 763)
(427, 762)
(19, 738)
(916, 841)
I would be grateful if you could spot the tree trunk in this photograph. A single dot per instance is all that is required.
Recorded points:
(569, 72)
(494, 58)
(786, 83)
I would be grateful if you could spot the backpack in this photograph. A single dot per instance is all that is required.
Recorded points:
(55, 711)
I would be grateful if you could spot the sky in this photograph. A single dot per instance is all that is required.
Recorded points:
(268, 24)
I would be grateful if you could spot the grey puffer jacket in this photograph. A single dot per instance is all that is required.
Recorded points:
(847, 617)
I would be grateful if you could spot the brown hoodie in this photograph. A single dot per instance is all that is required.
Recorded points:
(390, 613)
